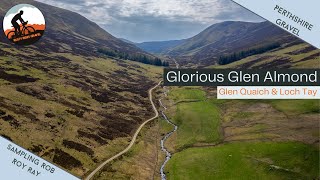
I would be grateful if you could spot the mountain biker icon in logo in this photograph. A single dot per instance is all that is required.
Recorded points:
(24, 24)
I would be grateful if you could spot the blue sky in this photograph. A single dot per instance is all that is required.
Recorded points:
(156, 20)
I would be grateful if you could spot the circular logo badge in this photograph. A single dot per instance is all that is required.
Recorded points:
(24, 24)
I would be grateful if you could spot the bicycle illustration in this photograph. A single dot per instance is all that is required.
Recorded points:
(24, 31)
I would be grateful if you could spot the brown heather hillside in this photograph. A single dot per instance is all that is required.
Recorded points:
(225, 38)
(62, 100)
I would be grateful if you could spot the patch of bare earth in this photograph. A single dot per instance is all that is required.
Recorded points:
(260, 121)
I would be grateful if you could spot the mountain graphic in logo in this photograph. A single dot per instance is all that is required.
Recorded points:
(24, 24)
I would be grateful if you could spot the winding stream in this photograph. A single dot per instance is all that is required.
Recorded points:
(163, 140)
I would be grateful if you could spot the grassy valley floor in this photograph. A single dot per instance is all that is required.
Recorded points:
(246, 160)
(242, 139)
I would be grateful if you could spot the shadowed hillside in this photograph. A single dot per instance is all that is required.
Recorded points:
(227, 37)
(158, 47)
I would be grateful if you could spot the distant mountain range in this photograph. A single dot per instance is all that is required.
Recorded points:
(159, 47)
(156, 47)
(126, 41)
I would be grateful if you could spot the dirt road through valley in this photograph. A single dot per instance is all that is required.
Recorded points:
(133, 140)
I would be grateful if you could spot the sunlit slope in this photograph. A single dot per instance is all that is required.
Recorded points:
(290, 56)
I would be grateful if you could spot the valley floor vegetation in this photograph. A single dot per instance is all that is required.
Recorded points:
(227, 139)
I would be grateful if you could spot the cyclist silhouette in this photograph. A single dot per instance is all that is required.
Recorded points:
(15, 23)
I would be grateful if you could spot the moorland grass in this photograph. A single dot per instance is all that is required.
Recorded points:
(185, 94)
(292, 107)
(197, 122)
(198, 118)
(246, 160)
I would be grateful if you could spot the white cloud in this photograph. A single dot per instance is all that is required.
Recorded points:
(30, 14)
(146, 20)
(189, 10)
(203, 11)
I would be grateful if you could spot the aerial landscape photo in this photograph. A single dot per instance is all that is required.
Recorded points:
(88, 96)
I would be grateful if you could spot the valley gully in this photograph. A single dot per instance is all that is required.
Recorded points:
(163, 148)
